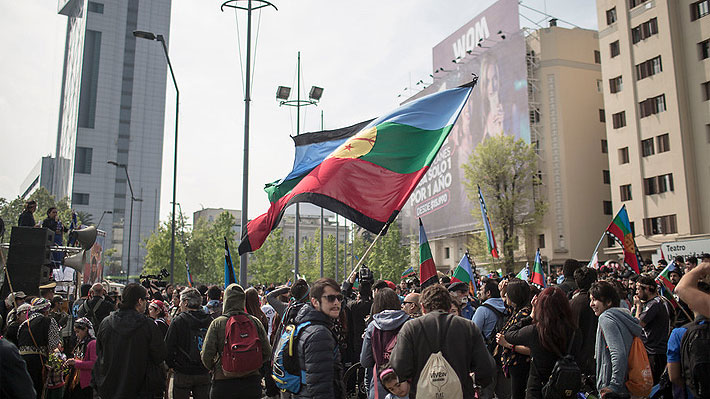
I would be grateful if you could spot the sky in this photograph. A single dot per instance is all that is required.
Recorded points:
(364, 54)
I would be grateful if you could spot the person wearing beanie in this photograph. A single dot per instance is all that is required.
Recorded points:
(37, 337)
(223, 384)
(182, 340)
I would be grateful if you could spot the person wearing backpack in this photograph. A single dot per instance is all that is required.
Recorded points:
(616, 331)
(380, 337)
(439, 340)
(184, 341)
(490, 318)
(97, 307)
(318, 351)
(235, 348)
(551, 335)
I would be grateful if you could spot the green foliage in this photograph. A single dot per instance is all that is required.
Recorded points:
(273, 262)
(203, 248)
(506, 170)
(10, 210)
(388, 258)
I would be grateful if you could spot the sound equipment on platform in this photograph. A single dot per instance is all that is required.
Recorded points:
(86, 238)
(28, 260)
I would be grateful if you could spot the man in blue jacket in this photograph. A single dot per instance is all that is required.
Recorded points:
(486, 317)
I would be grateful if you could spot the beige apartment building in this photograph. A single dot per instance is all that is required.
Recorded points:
(655, 58)
(567, 125)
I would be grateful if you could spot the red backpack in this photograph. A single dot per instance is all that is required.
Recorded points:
(241, 354)
(382, 344)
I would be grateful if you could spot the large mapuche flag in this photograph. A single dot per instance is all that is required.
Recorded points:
(620, 229)
(369, 176)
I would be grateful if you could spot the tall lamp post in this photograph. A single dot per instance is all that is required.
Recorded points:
(282, 95)
(130, 223)
(161, 39)
(102, 218)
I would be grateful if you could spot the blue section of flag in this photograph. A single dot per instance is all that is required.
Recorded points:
(422, 234)
(311, 155)
(431, 112)
(229, 277)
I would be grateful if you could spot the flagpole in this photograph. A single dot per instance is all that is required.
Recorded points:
(357, 267)
(599, 243)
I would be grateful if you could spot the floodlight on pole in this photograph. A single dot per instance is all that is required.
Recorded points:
(315, 93)
(283, 93)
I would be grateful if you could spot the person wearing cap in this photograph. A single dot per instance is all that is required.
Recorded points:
(158, 311)
(37, 337)
(191, 376)
(78, 386)
(22, 312)
(47, 291)
(460, 291)
(8, 306)
(129, 350)
(249, 385)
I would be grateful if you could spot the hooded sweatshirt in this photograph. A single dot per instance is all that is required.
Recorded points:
(234, 300)
(125, 343)
(387, 320)
(485, 318)
(615, 333)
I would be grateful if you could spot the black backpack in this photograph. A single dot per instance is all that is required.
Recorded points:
(566, 378)
(695, 357)
(197, 339)
(501, 319)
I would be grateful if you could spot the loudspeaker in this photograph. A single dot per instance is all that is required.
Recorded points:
(86, 237)
(76, 261)
(30, 245)
(26, 278)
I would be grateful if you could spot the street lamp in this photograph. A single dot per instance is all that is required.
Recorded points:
(130, 223)
(151, 36)
(282, 95)
(102, 218)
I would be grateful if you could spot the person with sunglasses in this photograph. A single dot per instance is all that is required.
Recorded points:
(318, 352)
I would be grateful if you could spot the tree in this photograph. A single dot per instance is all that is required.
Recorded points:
(158, 253)
(273, 262)
(506, 170)
(388, 258)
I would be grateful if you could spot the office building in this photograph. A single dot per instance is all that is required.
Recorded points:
(112, 108)
(656, 79)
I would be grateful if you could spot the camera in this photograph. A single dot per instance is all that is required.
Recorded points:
(365, 275)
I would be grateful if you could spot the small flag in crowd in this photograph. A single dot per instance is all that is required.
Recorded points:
(464, 273)
(620, 229)
(664, 282)
(537, 276)
(229, 277)
(189, 276)
(524, 273)
(409, 272)
(594, 263)
(427, 269)
(490, 239)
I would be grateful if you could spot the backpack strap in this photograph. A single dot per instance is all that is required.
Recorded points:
(497, 312)
(439, 335)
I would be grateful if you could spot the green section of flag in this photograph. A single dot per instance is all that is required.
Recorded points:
(461, 275)
(275, 190)
(405, 149)
(424, 252)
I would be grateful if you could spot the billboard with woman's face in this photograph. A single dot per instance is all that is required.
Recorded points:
(491, 47)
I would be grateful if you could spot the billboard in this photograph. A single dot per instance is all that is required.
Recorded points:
(492, 47)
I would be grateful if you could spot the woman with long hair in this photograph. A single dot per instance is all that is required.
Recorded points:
(253, 306)
(515, 359)
(547, 332)
(83, 362)
(615, 334)
(387, 319)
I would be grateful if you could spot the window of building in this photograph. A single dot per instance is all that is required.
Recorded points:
(605, 146)
(652, 106)
(644, 30)
(615, 84)
(663, 143)
(96, 7)
(610, 242)
(625, 191)
(82, 160)
(623, 155)
(602, 117)
(650, 186)
(534, 116)
(597, 57)
(89, 79)
(707, 132)
(634, 3)
(704, 48)
(705, 89)
(614, 48)
(600, 85)
(619, 119)
(447, 252)
(647, 147)
(649, 68)
(698, 9)
(541, 241)
(660, 225)
(80, 199)
(608, 208)
(611, 16)
(606, 177)
(665, 183)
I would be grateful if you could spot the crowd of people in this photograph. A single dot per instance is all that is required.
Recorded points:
(594, 332)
